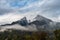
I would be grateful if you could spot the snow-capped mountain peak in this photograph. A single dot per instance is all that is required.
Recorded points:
(39, 18)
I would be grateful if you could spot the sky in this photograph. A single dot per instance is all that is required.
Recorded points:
(13, 10)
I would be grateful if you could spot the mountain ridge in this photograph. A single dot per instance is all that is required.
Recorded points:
(40, 23)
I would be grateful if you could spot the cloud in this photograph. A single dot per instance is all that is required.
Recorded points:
(4, 11)
(47, 8)
(51, 8)
(18, 27)
(29, 8)
(14, 5)
(9, 18)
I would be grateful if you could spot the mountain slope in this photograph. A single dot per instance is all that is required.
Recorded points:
(22, 22)
(40, 23)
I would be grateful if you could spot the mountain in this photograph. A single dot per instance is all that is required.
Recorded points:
(40, 23)
(22, 22)
(40, 20)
